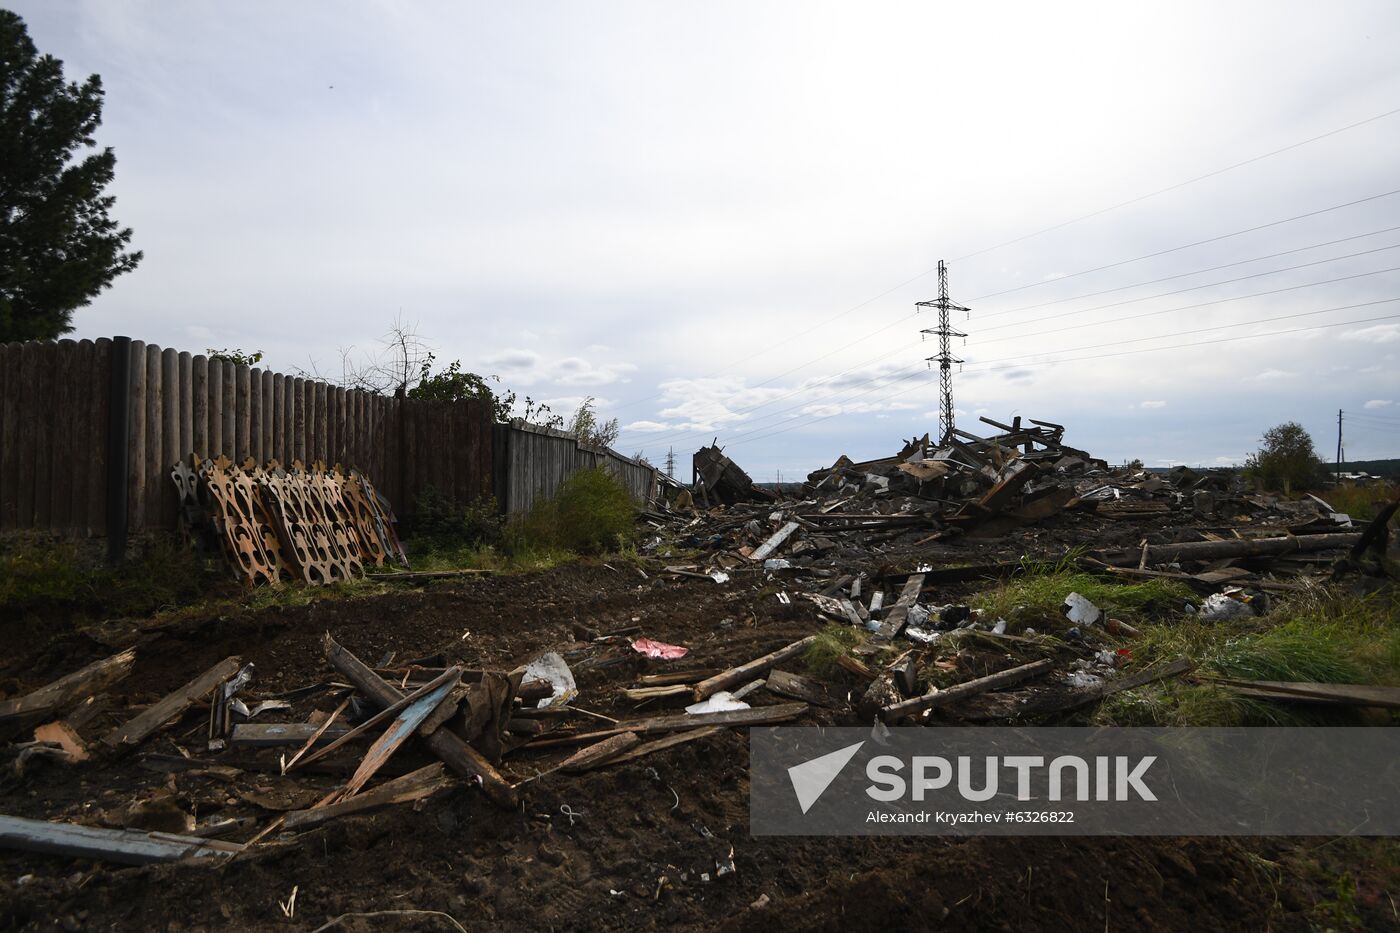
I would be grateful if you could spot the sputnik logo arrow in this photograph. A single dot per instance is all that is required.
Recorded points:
(811, 778)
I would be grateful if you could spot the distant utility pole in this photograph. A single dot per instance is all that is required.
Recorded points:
(1339, 445)
(671, 462)
(945, 356)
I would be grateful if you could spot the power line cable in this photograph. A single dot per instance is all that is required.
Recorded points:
(1201, 304)
(666, 435)
(1178, 185)
(1177, 249)
(1105, 356)
(1183, 275)
(986, 366)
(1210, 285)
(1041, 232)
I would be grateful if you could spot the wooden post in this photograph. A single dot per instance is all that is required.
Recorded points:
(59, 412)
(185, 382)
(117, 481)
(228, 393)
(321, 443)
(155, 452)
(216, 409)
(255, 416)
(9, 434)
(271, 415)
(136, 446)
(199, 399)
(297, 451)
(242, 377)
(170, 450)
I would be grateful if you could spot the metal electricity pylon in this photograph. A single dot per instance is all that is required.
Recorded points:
(945, 356)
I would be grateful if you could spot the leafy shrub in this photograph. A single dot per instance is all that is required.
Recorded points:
(442, 523)
(591, 513)
(43, 575)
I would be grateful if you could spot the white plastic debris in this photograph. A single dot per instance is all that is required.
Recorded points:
(999, 627)
(1082, 679)
(719, 703)
(1080, 611)
(917, 615)
(552, 668)
(923, 636)
(719, 576)
(777, 563)
(1222, 607)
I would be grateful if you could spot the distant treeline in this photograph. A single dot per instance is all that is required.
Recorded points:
(1387, 468)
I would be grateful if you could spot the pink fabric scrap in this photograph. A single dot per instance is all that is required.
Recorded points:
(659, 649)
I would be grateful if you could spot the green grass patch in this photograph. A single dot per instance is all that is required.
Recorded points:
(832, 642)
(1322, 637)
(1362, 501)
(43, 576)
(1037, 597)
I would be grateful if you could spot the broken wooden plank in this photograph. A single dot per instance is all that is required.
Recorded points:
(961, 691)
(172, 705)
(678, 677)
(600, 752)
(767, 547)
(450, 675)
(1312, 692)
(637, 694)
(315, 736)
(898, 613)
(274, 734)
(398, 732)
(444, 743)
(128, 846)
(668, 741)
(758, 715)
(737, 675)
(413, 786)
(61, 734)
(855, 666)
(801, 688)
(1241, 547)
(53, 698)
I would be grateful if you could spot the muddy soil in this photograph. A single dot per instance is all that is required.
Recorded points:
(658, 842)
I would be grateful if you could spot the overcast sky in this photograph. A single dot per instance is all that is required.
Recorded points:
(716, 218)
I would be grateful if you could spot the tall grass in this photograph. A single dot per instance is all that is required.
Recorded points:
(1039, 595)
(1319, 637)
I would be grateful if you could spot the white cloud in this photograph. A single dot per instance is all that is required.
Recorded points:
(1377, 333)
(1152, 404)
(1379, 403)
(647, 427)
(508, 360)
(1269, 375)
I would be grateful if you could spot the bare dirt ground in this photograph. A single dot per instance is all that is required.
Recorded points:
(637, 846)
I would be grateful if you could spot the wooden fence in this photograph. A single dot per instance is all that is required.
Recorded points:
(90, 429)
(532, 462)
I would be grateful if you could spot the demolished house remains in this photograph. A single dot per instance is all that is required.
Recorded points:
(882, 548)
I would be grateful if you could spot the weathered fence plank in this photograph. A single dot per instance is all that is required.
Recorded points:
(155, 452)
(10, 382)
(100, 380)
(215, 386)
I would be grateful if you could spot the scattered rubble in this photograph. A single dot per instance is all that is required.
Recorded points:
(885, 551)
